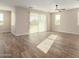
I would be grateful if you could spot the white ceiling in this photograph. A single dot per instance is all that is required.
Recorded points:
(45, 5)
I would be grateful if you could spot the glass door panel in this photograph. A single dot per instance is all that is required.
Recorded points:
(42, 23)
(33, 23)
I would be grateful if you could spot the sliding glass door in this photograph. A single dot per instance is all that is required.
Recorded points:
(33, 23)
(42, 23)
(38, 23)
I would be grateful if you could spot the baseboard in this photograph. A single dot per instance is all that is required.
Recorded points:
(50, 32)
(25, 34)
(21, 34)
(67, 32)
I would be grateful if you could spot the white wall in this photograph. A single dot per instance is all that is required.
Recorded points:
(69, 20)
(22, 20)
(6, 27)
(13, 20)
(20, 23)
(49, 22)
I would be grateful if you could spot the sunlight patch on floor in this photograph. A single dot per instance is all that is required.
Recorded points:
(45, 45)
(52, 37)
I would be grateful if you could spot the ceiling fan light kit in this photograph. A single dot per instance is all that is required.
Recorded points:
(59, 10)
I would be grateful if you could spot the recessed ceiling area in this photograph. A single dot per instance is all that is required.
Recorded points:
(44, 5)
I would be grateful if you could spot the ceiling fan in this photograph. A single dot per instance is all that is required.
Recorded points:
(59, 10)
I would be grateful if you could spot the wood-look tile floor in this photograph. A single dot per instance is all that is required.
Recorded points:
(65, 46)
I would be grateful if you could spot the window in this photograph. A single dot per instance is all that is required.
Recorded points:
(1, 18)
(57, 19)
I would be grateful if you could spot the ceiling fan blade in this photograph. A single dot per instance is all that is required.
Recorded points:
(61, 9)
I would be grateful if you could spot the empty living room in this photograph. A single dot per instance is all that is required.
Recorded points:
(39, 28)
